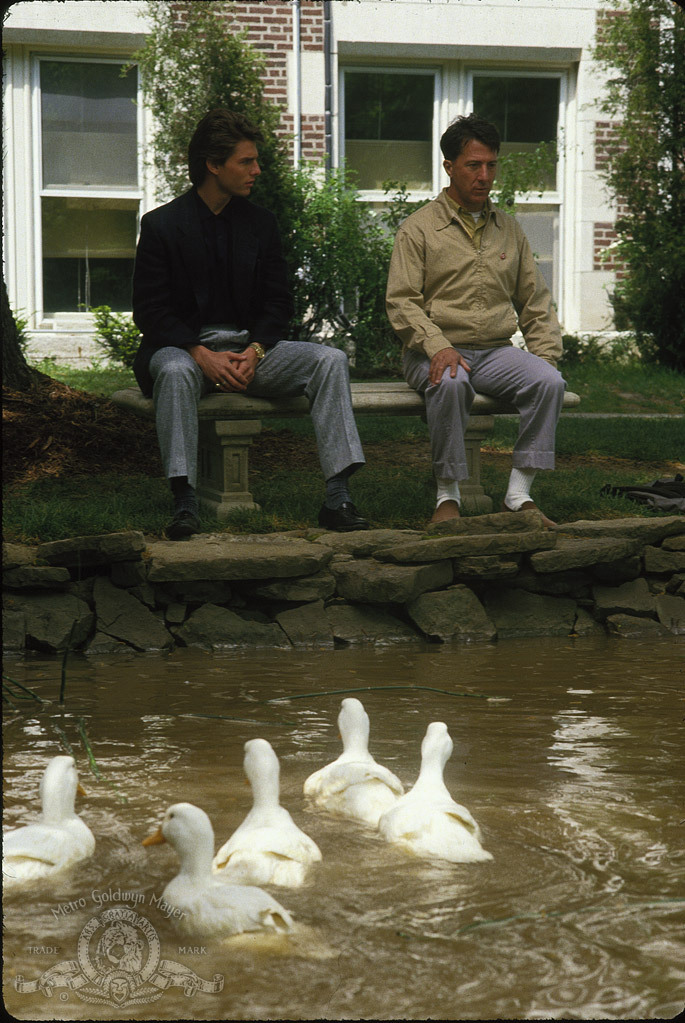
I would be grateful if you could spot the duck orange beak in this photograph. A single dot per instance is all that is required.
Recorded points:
(80, 791)
(156, 839)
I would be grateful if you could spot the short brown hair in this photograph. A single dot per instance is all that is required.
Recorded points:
(215, 139)
(465, 129)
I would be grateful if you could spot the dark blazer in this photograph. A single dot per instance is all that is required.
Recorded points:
(171, 279)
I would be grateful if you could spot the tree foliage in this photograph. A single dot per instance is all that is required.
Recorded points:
(195, 58)
(519, 174)
(641, 48)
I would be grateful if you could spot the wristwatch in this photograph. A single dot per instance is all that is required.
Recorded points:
(259, 350)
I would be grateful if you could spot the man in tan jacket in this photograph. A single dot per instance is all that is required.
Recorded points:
(462, 279)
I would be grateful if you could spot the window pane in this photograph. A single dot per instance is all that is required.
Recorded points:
(523, 109)
(89, 125)
(541, 225)
(389, 128)
(88, 252)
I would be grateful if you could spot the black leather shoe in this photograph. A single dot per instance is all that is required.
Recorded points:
(343, 519)
(183, 525)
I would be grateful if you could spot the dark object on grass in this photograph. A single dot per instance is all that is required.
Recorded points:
(344, 519)
(183, 525)
(667, 494)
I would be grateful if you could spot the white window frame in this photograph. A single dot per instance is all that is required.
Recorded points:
(550, 197)
(40, 192)
(377, 195)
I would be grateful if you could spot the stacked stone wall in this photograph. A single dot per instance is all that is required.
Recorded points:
(481, 579)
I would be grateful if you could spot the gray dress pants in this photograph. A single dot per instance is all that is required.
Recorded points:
(529, 383)
(289, 369)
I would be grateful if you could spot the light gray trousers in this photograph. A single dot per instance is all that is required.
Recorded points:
(289, 369)
(529, 383)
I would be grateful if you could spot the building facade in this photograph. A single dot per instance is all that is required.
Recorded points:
(373, 83)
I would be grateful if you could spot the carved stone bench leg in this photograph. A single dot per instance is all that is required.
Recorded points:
(474, 500)
(223, 445)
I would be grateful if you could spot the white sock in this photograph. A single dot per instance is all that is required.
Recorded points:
(448, 490)
(518, 491)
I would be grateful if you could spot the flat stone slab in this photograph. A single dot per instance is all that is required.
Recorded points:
(646, 530)
(351, 625)
(319, 586)
(363, 542)
(216, 628)
(663, 562)
(368, 582)
(572, 583)
(671, 612)
(14, 555)
(124, 618)
(469, 545)
(633, 598)
(307, 626)
(103, 645)
(232, 558)
(632, 627)
(520, 613)
(582, 552)
(36, 577)
(454, 614)
(495, 522)
(53, 621)
(488, 566)
(92, 551)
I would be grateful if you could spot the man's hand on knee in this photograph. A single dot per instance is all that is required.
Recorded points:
(441, 360)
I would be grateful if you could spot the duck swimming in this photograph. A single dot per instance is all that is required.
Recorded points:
(203, 906)
(427, 821)
(354, 785)
(268, 847)
(59, 839)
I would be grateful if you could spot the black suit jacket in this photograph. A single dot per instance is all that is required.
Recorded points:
(171, 279)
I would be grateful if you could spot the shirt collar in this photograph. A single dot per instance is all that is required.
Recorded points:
(206, 213)
(447, 210)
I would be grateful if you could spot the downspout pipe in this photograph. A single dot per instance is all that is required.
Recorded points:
(297, 139)
(328, 87)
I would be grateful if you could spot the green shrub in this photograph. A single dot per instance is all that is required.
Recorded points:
(117, 334)
(641, 50)
(598, 351)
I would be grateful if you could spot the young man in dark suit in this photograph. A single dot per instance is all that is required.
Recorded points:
(211, 299)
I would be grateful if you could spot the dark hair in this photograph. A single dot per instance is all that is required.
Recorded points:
(215, 139)
(465, 129)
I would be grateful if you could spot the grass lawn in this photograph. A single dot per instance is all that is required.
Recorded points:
(395, 489)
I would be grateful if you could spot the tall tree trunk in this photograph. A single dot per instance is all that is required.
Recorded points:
(17, 375)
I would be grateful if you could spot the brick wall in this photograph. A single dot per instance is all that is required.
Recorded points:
(606, 142)
(604, 234)
(269, 27)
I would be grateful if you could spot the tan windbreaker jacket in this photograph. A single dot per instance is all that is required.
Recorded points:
(445, 290)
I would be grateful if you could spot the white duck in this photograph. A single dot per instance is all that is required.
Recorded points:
(354, 785)
(268, 847)
(427, 821)
(200, 905)
(59, 839)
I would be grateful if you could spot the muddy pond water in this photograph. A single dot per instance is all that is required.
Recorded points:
(569, 754)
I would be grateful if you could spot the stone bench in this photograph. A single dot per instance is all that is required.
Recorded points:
(229, 422)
